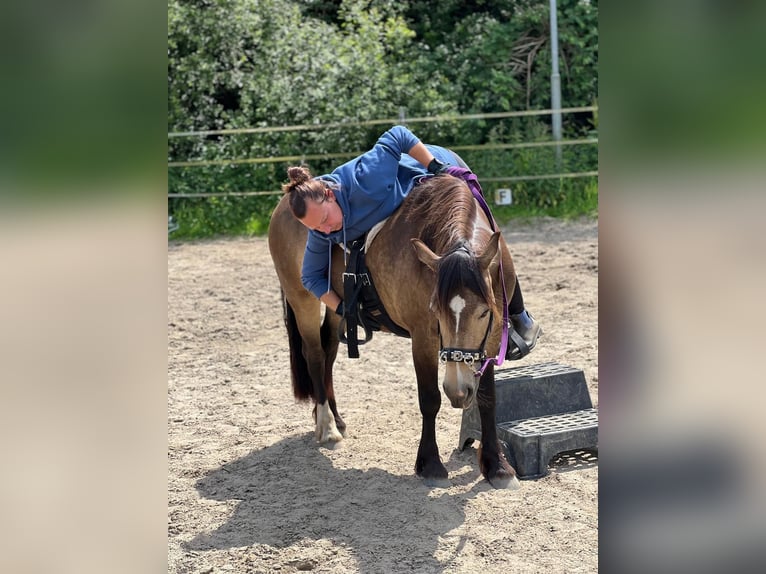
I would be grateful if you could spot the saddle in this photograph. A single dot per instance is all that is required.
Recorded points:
(362, 305)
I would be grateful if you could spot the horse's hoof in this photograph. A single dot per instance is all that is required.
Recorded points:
(331, 444)
(326, 430)
(497, 471)
(433, 473)
(328, 437)
(435, 482)
(504, 480)
(333, 437)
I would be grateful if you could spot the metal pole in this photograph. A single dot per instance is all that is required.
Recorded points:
(555, 82)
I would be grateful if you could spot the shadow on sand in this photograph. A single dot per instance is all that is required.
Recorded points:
(290, 491)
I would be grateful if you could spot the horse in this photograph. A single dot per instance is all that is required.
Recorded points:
(442, 247)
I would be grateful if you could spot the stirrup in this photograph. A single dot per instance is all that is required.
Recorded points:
(522, 349)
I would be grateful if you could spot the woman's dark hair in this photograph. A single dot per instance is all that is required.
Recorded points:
(302, 187)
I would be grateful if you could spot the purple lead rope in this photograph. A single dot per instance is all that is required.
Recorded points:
(473, 184)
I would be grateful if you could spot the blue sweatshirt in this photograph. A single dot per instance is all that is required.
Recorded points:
(371, 187)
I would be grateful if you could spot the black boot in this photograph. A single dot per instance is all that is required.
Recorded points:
(523, 334)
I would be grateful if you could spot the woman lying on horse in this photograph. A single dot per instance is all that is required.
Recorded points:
(344, 205)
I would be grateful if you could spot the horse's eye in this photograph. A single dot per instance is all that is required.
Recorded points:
(486, 312)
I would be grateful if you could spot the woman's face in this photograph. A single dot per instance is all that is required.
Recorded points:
(325, 217)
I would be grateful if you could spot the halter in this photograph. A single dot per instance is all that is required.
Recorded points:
(467, 356)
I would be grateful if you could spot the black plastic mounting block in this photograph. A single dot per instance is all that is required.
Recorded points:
(541, 410)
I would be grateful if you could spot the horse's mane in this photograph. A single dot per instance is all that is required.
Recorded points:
(445, 211)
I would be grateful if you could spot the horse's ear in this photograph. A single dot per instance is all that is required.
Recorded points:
(425, 254)
(489, 259)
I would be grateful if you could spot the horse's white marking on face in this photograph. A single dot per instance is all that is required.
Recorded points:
(457, 305)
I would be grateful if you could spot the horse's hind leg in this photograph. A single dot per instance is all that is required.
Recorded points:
(325, 410)
(330, 344)
(317, 364)
(326, 426)
(492, 462)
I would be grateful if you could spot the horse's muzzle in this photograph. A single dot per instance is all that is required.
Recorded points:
(460, 398)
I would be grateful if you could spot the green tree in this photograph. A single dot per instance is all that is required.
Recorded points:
(267, 63)
(496, 55)
(242, 63)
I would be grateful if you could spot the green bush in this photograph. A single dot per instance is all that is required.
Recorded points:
(243, 64)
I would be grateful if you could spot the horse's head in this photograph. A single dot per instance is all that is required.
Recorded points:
(466, 311)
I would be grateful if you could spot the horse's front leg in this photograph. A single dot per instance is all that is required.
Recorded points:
(428, 464)
(492, 462)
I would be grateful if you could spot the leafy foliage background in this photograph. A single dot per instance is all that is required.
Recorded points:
(264, 63)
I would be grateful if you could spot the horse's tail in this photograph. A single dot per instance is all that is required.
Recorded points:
(303, 387)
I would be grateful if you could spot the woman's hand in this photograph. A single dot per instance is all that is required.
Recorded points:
(436, 167)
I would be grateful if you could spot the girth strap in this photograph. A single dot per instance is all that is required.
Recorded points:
(352, 285)
(362, 305)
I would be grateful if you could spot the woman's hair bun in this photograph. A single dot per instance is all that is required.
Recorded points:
(298, 175)
(301, 188)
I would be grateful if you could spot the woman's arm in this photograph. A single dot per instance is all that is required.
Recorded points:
(420, 152)
(316, 269)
